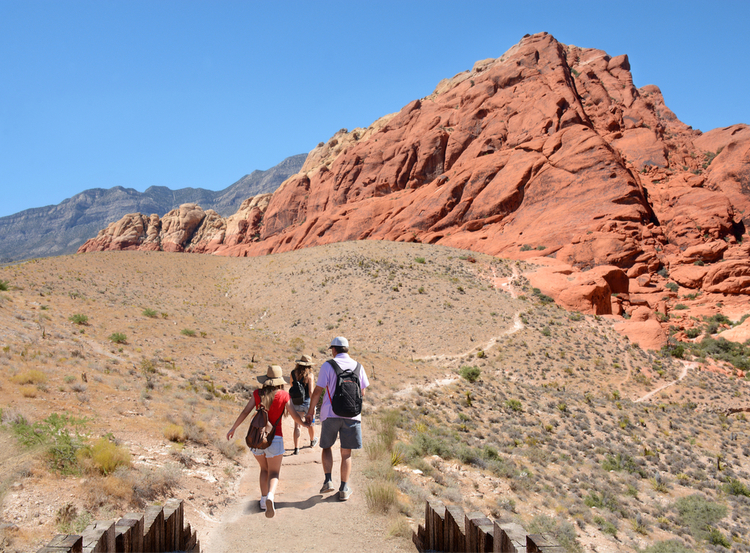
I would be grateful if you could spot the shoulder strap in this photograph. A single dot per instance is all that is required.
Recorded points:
(335, 366)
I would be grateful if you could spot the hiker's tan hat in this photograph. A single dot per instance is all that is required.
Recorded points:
(273, 377)
(305, 361)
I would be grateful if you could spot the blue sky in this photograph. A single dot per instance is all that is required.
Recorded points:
(95, 94)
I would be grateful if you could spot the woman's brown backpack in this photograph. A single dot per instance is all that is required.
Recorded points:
(261, 431)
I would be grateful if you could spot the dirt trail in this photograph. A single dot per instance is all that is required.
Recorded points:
(305, 520)
(500, 285)
(685, 366)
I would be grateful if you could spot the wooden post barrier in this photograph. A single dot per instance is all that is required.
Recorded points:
(509, 538)
(454, 529)
(159, 530)
(543, 543)
(449, 529)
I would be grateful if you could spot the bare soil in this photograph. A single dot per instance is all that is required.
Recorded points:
(558, 396)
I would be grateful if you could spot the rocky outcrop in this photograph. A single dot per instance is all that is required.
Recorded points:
(548, 150)
(63, 228)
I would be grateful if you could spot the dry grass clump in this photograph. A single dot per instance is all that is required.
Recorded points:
(104, 456)
(31, 376)
(175, 433)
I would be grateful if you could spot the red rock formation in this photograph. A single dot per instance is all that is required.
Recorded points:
(548, 150)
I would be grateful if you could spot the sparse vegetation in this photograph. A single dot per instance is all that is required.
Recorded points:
(79, 319)
(118, 338)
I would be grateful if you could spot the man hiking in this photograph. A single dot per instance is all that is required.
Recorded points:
(342, 381)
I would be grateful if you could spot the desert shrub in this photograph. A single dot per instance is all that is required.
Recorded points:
(381, 496)
(190, 333)
(28, 391)
(60, 436)
(681, 307)
(514, 405)
(151, 313)
(231, 450)
(148, 483)
(79, 319)
(4, 285)
(32, 376)
(699, 514)
(722, 349)
(70, 521)
(104, 456)
(620, 462)
(603, 500)
(118, 338)
(670, 546)
(735, 487)
(174, 433)
(672, 286)
(605, 526)
(470, 373)
(562, 530)
(692, 332)
(297, 344)
(715, 537)
(419, 259)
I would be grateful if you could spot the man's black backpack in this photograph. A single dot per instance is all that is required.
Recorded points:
(297, 390)
(347, 398)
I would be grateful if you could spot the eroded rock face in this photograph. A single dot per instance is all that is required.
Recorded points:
(548, 150)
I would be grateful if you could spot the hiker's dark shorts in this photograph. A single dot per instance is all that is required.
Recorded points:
(348, 431)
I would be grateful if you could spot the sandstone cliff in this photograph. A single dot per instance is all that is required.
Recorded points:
(549, 150)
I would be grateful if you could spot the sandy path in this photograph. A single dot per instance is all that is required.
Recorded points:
(685, 366)
(305, 520)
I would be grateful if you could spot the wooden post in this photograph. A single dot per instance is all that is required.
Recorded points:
(436, 526)
(471, 530)
(135, 523)
(454, 529)
(173, 521)
(99, 537)
(64, 544)
(509, 538)
(543, 543)
(486, 538)
(153, 534)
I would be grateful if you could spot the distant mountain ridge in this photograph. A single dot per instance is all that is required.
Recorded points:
(60, 229)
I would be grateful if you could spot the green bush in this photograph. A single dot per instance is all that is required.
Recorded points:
(735, 487)
(699, 514)
(4, 285)
(672, 286)
(670, 546)
(187, 332)
(118, 338)
(61, 436)
(513, 405)
(419, 259)
(470, 373)
(79, 319)
(149, 313)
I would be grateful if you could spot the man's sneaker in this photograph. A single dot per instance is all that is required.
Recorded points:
(327, 487)
(296, 451)
(345, 494)
(270, 509)
(314, 442)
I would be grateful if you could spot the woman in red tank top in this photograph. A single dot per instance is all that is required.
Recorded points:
(276, 400)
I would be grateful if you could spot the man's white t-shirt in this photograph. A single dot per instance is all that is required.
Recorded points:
(327, 379)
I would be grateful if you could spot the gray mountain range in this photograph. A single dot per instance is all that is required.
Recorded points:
(60, 229)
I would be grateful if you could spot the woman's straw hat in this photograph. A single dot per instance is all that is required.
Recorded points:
(305, 361)
(273, 377)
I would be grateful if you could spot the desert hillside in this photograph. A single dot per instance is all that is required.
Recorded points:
(484, 394)
(549, 150)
